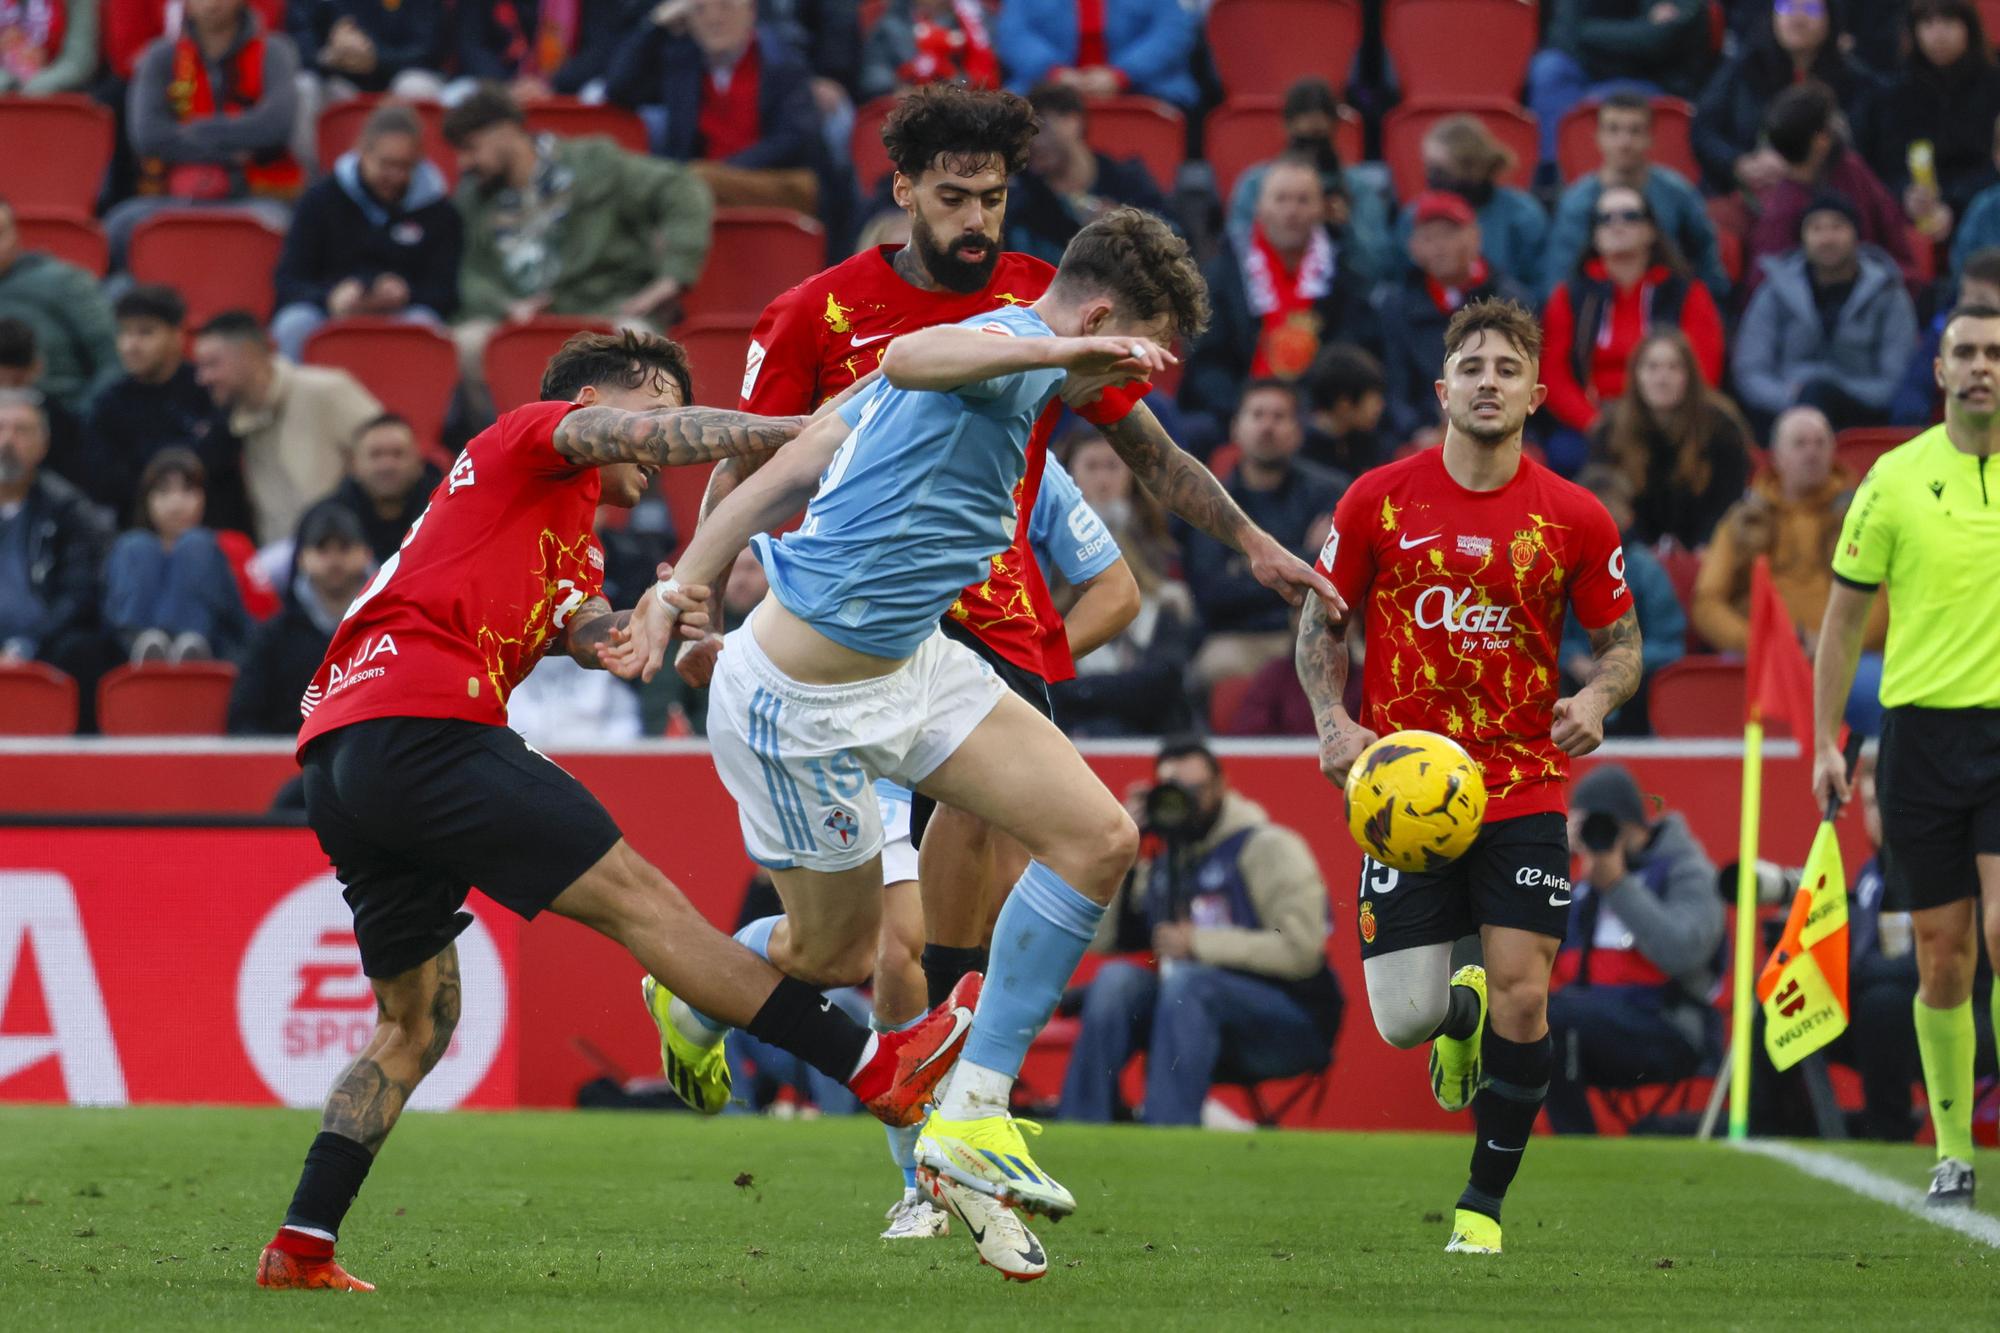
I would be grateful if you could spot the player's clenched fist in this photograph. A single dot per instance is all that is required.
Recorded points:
(1579, 725)
(1337, 752)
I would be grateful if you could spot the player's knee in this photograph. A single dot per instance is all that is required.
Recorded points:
(1408, 1024)
(1112, 847)
(1517, 1006)
(840, 963)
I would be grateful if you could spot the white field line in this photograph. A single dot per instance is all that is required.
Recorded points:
(1858, 1179)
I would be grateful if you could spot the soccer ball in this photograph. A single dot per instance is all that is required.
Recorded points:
(1414, 800)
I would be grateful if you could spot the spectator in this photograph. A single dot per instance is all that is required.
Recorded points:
(1357, 199)
(828, 34)
(1801, 43)
(1917, 401)
(296, 422)
(47, 47)
(1596, 48)
(388, 483)
(1818, 163)
(371, 46)
(21, 367)
(1630, 280)
(1979, 222)
(566, 226)
(52, 546)
(535, 48)
(1625, 145)
(61, 303)
(1234, 909)
(1462, 157)
(737, 101)
(1068, 183)
(1449, 271)
(1681, 447)
(1831, 327)
(1945, 96)
(1662, 619)
(376, 236)
(1631, 1000)
(157, 404)
(1346, 394)
(211, 114)
(928, 41)
(169, 592)
(1277, 297)
(330, 565)
(1242, 620)
(1101, 47)
(1792, 516)
(130, 26)
(1131, 686)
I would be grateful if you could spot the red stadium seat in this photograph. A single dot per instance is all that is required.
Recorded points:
(1246, 130)
(871, 159)
(340, 125)
(1263, 46)
(57, 149)
(36, 700)
(1857, 447)
(568, 117)
(1153, 131)
(217, 261)
(1698, 696)
(1460, 48)
(1225, 700)
(757, 253)
(1404, 128)
(410, 368)
(517, 354)
(72, 237)
(1673, 139)
(191, 699)
(1989, 18)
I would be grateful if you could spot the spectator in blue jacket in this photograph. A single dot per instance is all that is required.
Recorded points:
(1662, 619)
(1462, 156)
(370, 45)
(1596, 47)
(1979, 224)
(1625, 143)
(169, 593)
(1917, 401)
(1135, 46)
(376, 236)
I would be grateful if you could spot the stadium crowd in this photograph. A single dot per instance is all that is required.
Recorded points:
(1739, 221)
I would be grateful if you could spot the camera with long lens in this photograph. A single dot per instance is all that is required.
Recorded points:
(1171, 809)
(1775, 883)
(1599, 832)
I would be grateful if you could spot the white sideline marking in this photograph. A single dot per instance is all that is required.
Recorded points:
(1858, 1179)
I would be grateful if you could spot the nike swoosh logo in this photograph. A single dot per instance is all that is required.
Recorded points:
(860, 341)
(826, 1005)
(961, 1019)
(978, 1234)
(1553, 902)
(1497, 1148)
(1406, 543)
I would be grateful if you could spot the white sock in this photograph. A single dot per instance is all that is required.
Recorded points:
(976, 1092)
(689, 1024)
(867, 1054)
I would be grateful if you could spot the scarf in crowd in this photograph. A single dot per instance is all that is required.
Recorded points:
(1288, 339)
(1449, 299)
(945, 53)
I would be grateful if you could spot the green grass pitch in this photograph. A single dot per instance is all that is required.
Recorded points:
(153, 1219)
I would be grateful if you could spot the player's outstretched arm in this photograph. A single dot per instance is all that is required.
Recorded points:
(1579, 719)
(670, 436)
(1834, 662)
(1322, 662)
(952, 356)
(1179, 481)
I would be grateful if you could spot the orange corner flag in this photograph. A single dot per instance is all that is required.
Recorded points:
(1803, 987)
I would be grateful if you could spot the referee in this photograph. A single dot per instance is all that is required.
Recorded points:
(1925, 524)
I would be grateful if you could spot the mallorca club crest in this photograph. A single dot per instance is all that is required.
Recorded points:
(841, 824)
(1522, 551)
(1367, 922)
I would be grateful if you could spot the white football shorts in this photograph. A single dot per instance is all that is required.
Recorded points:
(899, 858)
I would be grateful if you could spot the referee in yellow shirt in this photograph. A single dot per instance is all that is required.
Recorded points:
(1925, 525)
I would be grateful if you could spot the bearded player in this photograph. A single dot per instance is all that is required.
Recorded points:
(954, 149)
(418, 790)
(1460, 562)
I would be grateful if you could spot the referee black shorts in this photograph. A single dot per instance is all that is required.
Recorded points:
(1938, 783)
(1018, 679)
(415, 811)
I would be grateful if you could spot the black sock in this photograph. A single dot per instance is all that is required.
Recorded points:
(335, 1168)
(945, 966)
(799, 1019)
(1461, 1014)
(1503, 1115)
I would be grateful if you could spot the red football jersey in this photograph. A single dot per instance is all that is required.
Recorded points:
(1462, 595)
(832, 329)
(484, 581)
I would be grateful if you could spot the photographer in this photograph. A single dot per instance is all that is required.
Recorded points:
(1630, 999)
(1234, 909)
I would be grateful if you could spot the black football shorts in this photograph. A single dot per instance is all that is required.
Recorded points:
(1938, 782)
(1516, 873)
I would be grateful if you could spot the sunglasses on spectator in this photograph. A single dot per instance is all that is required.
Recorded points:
(1631, 217)
(1805, 9)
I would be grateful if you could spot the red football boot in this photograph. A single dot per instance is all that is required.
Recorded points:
(296, 1260)
(908, 1065)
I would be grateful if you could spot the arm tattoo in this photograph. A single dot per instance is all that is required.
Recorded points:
(589, 625)
(1321, 659)
(1175, 477)
(669, 437)
(1616, 649)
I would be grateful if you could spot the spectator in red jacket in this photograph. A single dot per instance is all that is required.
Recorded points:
(1803, 127)
(1630, 279)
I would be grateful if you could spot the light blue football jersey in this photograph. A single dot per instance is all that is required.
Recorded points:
(914, 506)
(1066, 533)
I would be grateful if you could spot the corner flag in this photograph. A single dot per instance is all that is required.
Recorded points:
(1803, 987)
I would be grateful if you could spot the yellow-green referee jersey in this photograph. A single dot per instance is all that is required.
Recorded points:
(1926, 521)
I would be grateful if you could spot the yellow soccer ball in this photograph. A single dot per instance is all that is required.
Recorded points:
(1415, 800)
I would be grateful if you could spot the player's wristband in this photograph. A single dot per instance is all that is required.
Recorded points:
(660, 591)
(1115, 403)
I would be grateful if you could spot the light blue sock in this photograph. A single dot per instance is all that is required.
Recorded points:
(1040, 937)
(756, 937)
(902, 1138)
